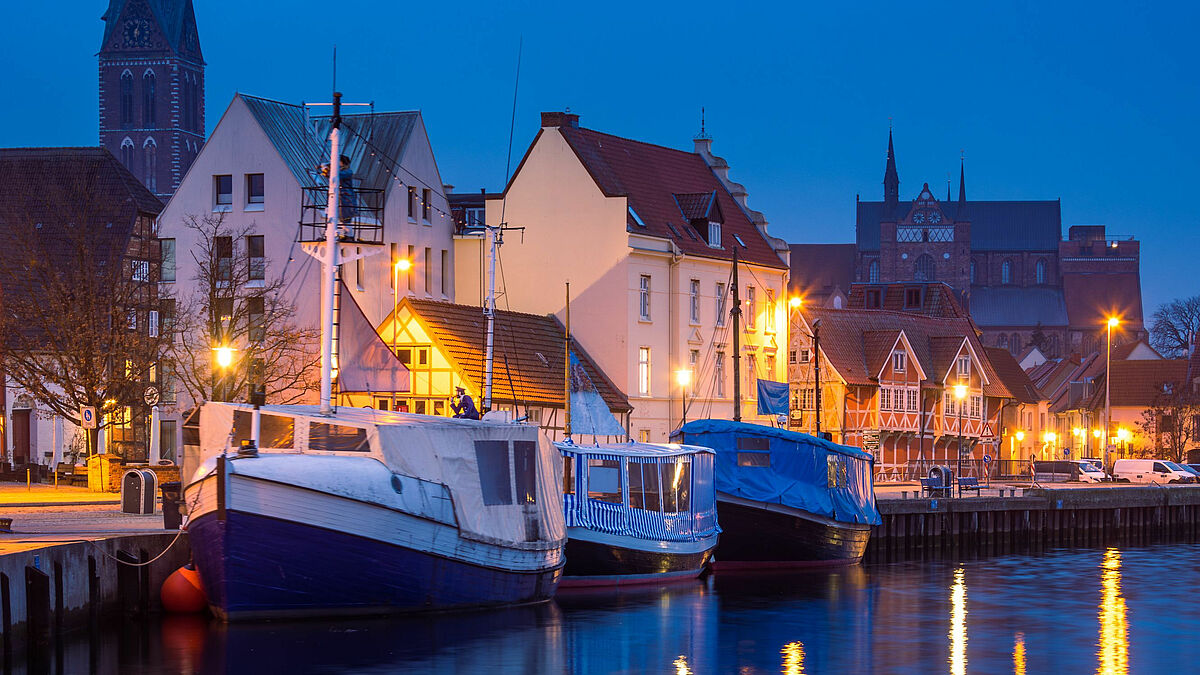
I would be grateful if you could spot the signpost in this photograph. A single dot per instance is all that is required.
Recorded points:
(87, 415)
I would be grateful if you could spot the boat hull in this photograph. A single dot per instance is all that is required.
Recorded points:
(255, 566)
(599, 559)
(758, 535)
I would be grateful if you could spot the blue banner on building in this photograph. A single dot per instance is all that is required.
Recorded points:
(772, 398)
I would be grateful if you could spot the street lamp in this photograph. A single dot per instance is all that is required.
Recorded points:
(683, 376)
(1112, 323)
(1012, 441)
(224, 358)
(960, 394)
(402, 265)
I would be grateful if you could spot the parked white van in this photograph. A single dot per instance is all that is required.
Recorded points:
(1150, 470)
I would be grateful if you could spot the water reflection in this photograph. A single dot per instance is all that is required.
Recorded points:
(958, 623)
(1030, 614)
(1114, 636)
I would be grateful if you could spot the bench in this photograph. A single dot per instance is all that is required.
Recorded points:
(969, 484)
(934, 487)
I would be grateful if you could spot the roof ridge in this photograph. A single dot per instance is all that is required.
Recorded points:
(632, 140)
(440, 303)
(267, 100)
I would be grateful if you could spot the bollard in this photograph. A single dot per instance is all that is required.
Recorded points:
(28, 481)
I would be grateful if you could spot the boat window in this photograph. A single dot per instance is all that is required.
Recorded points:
(525, 471)
(754, 459)
(837, 472)
(337, 438)
(494, 484)
(568, 475)
(643, 486)
(276, 431)
(676, 486)
(753, 443)
(604, 480)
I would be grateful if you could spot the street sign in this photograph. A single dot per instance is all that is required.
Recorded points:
(987, 459)
(151, 396)
(87, 414)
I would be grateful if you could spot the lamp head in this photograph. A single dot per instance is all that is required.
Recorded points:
(1051, 436)
(1113, 322)
(224, 356)
(1076, 431)
(1020, 435)
(1097, 433)
(960, 391)
(795, 301)
(1123, 434)
(403, 265)
(683, 377)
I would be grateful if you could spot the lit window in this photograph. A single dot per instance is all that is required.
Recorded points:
(695, 298)
(770, 311)
(719, 374)
(643, 371)
(750, 308)
(644, 297)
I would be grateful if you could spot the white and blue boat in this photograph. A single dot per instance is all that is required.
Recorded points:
(637, 513)
(785, 498)
(371, 512)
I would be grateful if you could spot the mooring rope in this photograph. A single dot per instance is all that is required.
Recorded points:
(182, 529)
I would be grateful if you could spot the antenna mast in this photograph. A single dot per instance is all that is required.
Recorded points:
(567, 369)
(737, 342)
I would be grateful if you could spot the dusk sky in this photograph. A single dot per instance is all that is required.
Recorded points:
(1095, 103)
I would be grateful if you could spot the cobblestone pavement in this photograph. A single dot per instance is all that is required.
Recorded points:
(38, 526)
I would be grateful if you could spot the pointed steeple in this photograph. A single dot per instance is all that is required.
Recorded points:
(891, 179)
(962, 182)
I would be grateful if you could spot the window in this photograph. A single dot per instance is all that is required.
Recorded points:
(256, 313)
(676, 486)
(791, 356)
(770, 311)
(222, 192)
(719, 374)
(644, 492)
(152, 323)
(1006, 272)
(643, 371)
(751, 372)
(837, 475)
(964, 367)
(408, 276)
(1040, 271)
(166, 440)
(223, 252)
(899, 361)
(360, 269)
(750, 311)
(412, 204)
(721, 307)
(166, 310)
(770, 367)
(1002, 342)
(568, 475)
(429, 271)
(808, 399)
(873, 299)
(491, 457)
(126, 100)
(885, 398)
(131, 318)
(604, 480)
(393, 250)
(873, 272)
(150, 164)
(949, 405)
(127, 153)
(148, 117)
(643, 435)
(912, 298)
(805, 356)
(1014, 343)
(256, 253)
(426, 203)
(255, 188)
(912, 400)
(446, 273)
(714, 235)
(644, 297)
(139, 270)
(973, 272)
(695, 298)
(525, 455)
(924, 269)
(166, 268)
(976, 407)
(693, 360)
(758, 459)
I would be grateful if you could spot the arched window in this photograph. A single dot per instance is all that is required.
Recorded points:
(1014, 343)
(127, 153)
(923, 270)
(150, 164)
(973, 272)
(1006, 272)
(1040, 271)
(1003, 342)
(126, 99)
(873, 272)
(148, 119)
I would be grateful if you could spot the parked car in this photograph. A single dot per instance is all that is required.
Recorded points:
(1150, 470)
(1069, 469)
(1191, 468)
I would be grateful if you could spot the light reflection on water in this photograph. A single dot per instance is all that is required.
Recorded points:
(1033, 614)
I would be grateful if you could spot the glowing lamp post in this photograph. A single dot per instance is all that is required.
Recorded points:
(684, 378)
(1113, 322)
(224, 358)
(960, 395)
(402, 265)
(1012, 441)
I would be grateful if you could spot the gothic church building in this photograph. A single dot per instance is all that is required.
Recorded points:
(152, 89)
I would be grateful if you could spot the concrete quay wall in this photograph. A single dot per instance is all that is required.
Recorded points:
(915, 529)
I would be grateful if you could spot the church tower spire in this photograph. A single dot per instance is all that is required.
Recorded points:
(891, 179)
(962, 181)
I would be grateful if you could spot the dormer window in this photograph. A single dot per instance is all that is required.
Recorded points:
(899, 362)
(714, 234)
(964, 367)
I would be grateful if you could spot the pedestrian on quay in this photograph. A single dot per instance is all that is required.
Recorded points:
(463, 405)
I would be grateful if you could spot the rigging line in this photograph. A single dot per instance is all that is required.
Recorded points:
(718, 331)
(512, 128)
(511, 335)
(396, 164)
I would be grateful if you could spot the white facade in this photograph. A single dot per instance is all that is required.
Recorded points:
(249, 141)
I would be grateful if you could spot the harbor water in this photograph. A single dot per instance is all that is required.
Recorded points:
(1063, 611)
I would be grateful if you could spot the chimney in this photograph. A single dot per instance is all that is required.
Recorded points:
(559, 119)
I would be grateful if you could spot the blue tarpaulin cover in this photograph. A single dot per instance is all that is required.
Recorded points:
(772, 398)
(801, 471)
(589, 413)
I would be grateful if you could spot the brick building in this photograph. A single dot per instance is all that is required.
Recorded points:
(152, 89)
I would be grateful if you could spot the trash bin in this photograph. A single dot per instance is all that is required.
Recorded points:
(171, 498)
(133, 491)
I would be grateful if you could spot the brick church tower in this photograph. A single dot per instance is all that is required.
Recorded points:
(152, 89)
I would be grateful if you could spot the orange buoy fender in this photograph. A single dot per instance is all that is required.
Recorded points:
(183, 592)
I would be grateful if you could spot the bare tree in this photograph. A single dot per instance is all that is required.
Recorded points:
(235, 302)
(1171, 422)
(80, 311)
(1174, 326)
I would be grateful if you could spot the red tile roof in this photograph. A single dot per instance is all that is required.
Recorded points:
(528, 358)
(651, 177)
(1092, 298)
(1140, 383)
(850, 339)
(1015, 379)
(936, 299)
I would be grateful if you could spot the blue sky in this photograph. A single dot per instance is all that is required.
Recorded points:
(1094, 103)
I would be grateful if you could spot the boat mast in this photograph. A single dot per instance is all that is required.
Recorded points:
(496, 234)
(737, 342)
(330, 260)
(567, 370)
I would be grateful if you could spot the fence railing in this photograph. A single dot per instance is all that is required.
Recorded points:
(997, 469)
